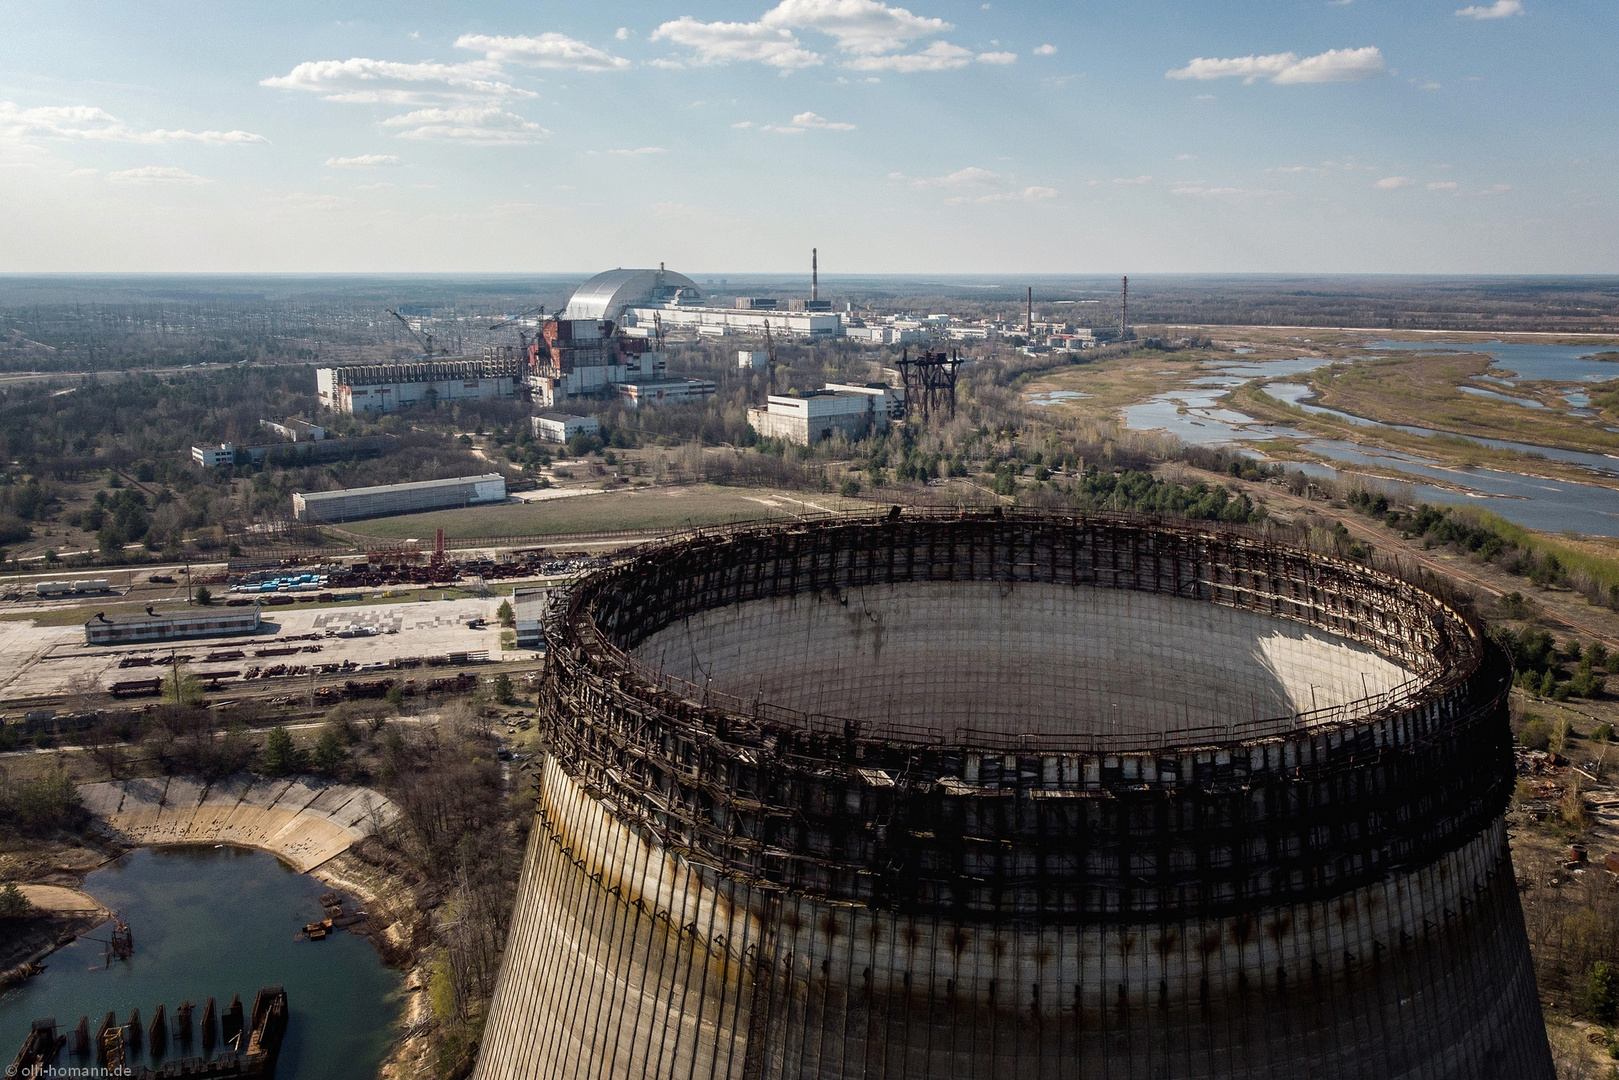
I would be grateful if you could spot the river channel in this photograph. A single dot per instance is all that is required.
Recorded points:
(1195, 414)
(213, 922)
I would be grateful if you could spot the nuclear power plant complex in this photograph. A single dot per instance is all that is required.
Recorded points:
(963, 794)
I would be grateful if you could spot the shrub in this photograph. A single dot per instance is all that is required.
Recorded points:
(1602, 992)
(1602, 733)
(505, 614)
(280, 755)
(1535, 735)
(205, 595)
(503, 689)
(13, 904)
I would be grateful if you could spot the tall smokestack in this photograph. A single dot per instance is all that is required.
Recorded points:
(1028, 330)
(815, 275)
(1124, 307)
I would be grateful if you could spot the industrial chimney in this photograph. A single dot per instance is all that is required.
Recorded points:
(815, 275)
(1028, 330)
(1124, 308)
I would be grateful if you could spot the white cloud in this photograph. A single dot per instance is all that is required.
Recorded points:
(1224, 192)
(1028, 194)
(870, 34)
(743, 124)
(1443, 185)
(639, 150)
(1045, 50)
(862, 27)
(1389, 183)
(548, 50)
(939, 56)
(361, 162)
(379, 186)
(1496, 189)
(623, 33)
(1334, 65)
(1501, 9)
(482, 125)
(19, 125)
(725, 42)
(1135, 180)
(819, 123)
(997, 58)
(156, 174)
(1429, 86)
(370, 81)
(970, 177)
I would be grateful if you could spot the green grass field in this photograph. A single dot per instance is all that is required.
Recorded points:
(641, 509)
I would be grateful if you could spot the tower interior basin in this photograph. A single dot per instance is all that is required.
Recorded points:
(1019, 658)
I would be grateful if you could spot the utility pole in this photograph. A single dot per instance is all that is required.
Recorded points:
(815, 274)
(188, 584)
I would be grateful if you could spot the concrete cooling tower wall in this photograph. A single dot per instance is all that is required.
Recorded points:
(1015, 796)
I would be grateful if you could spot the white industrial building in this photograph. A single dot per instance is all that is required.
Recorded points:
(665, 391)
(294, 430)
(559, 427)
(853, 412)
(386, 387)
(640, 301)
(350, 504)
(751, 360)
(212, 456)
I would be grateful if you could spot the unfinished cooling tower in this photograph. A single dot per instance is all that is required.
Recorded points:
(1018, 797)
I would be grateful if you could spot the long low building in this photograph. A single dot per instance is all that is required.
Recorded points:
(187, 623)
(384, 387)
(350, 504)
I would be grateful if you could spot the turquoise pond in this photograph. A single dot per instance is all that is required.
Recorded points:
(212, 922)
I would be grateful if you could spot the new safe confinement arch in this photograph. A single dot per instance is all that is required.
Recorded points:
(1015, 795)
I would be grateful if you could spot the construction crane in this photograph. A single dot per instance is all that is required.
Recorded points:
(518, 321)
(770, 356)
(424, 340)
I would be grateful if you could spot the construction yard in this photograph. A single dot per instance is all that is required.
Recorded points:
(293, 645)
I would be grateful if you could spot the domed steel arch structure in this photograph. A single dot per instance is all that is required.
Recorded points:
(944, 795)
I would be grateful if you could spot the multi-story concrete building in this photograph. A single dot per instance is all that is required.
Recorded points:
(295, 430)
(386, 387)
(854, 413)
(353, 503)
(212, 456)
(665, 391)
(559, 427)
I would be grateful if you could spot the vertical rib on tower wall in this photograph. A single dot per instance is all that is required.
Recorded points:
(627, 962)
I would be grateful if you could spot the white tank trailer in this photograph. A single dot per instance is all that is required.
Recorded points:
(936, 794)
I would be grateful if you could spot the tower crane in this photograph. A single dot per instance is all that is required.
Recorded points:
(770, 356)
(518, 320)
(424, 340)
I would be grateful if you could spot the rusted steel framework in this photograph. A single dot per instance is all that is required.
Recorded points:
(1049, 827)
(930, 383)
(720, 887)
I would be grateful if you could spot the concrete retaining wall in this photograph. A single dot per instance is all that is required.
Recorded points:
(303, 821)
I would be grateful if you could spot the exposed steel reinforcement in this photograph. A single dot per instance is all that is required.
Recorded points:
(1064, 891)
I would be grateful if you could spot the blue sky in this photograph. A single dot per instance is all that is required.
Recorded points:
(939, 137)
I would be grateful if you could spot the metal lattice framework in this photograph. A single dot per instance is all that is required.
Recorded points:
(1041, 827)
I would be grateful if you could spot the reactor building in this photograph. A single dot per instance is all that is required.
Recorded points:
(974, 795)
